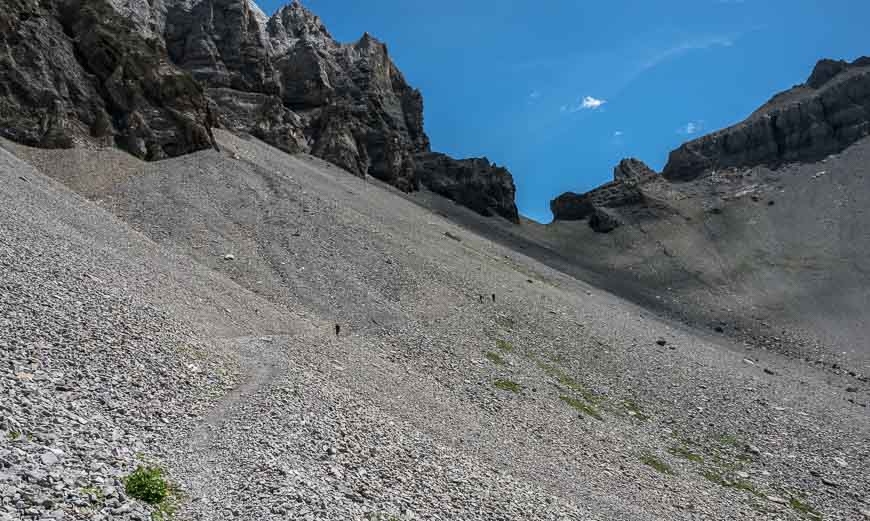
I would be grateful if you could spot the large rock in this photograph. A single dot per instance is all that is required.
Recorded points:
(632, 170)
(476, 183)
(602, 205)
(824, 116)
(626, 189)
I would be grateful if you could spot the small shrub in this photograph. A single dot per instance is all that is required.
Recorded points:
(504, 345)
(507, 385)
(654, 462)
(494, 358)
(147, 484)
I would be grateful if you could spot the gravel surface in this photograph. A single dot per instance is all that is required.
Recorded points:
(467, 381)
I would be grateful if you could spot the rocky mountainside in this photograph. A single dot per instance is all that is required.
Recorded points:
(154, 79)
(806, 123)
(756, 231)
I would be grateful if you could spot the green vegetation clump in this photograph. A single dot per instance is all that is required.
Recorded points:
(507, 385)
(804, 508)
(715, 477)
(494, 358)
(569, 382)
(504, 345)
(654, 462)
(685, 453)
(147, 484)
(582, 407)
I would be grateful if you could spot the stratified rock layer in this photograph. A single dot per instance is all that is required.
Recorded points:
(821, 117)
(625, 190)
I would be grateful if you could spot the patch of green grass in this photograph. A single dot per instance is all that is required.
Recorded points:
(634, 410)
(582, 407)
(569, 382)
(746, 486)
(149, 484)
(581, 389)
(504, 345)
(685, 453)
(804, 508)
(494, 358)
(507, 385)
(654, 462)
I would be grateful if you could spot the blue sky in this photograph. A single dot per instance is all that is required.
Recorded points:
(560, 91)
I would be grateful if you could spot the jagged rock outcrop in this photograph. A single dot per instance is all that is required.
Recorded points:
(806, 123)
(346, 103)
(632, 170)
(154, 76)
(476, 183)
(79, 71)
(626, 189)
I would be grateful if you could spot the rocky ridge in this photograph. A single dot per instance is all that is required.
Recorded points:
(806, 123)
(155, 78)
(626, 189)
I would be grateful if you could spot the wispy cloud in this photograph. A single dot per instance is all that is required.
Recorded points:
(692, 127)
(686, 46)
(617, 133)
(586, 103)
(534, 95)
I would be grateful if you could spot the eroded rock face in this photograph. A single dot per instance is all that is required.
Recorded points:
(80, 72)
(155, 76)
(824, 116)
(597, 205)
(476, 183)
(631, 169)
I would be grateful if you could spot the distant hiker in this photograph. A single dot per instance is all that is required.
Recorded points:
(337, 329)
(493, 297)
(481, 298)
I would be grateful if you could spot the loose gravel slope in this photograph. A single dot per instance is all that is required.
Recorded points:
(467, 380)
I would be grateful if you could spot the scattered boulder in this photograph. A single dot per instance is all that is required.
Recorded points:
(603, 220)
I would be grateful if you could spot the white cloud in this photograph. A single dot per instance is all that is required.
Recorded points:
(587, 103)
(591, 103)
(617, 133)
(534, 94)
(692, 127)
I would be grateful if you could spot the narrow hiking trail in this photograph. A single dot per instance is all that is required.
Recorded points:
(205, 462)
